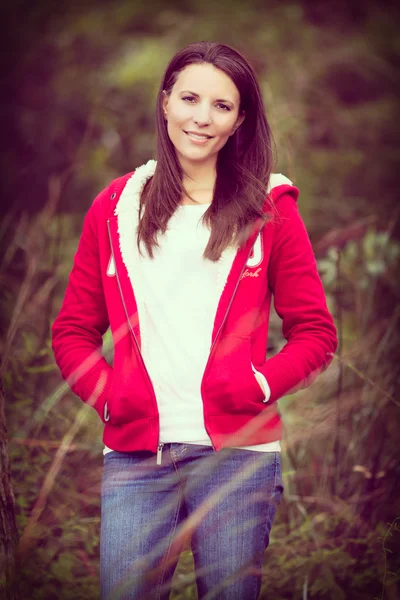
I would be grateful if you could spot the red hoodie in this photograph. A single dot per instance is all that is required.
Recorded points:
(277, 259)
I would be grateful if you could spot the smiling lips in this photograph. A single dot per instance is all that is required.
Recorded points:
(198, 137)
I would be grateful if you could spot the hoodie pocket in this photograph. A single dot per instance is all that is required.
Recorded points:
(104, 413)
(130, 397)
(231, 382)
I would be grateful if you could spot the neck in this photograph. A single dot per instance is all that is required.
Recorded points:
(199, 176)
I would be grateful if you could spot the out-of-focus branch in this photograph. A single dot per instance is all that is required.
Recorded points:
(36, 243)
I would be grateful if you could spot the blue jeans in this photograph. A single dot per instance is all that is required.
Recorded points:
(223, 502)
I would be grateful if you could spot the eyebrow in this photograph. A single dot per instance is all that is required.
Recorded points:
(197, 96)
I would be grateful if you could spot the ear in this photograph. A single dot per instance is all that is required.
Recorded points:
(165, 102)
(239, 121)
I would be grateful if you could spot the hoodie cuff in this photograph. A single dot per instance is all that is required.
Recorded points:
(265, 386)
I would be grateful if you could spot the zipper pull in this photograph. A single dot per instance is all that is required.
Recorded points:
(159, 453)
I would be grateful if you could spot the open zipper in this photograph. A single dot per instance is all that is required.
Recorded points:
(126, 310)
(160, 444)
(225, 317)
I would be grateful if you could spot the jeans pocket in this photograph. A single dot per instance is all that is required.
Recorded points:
(279, 489)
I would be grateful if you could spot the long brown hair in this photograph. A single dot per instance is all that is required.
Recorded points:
(244, 164)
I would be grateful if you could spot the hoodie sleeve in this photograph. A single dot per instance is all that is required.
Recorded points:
(77, 332)
(300, 302)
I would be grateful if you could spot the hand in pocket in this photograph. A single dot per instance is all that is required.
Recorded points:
(260, 381)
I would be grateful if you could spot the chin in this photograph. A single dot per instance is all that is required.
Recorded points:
(196, 158)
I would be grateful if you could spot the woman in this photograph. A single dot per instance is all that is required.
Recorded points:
(180, 259)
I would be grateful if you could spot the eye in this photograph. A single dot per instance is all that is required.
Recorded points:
(188, 98)
(223, 106)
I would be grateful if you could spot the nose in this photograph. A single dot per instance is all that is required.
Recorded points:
(202, 115)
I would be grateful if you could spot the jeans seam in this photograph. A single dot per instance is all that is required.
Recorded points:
(275, 471)
(166, 555)
(271, 500)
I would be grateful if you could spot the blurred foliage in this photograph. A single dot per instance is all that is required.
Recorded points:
(83, 85)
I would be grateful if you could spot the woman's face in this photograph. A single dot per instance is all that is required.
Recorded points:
(202, 112)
